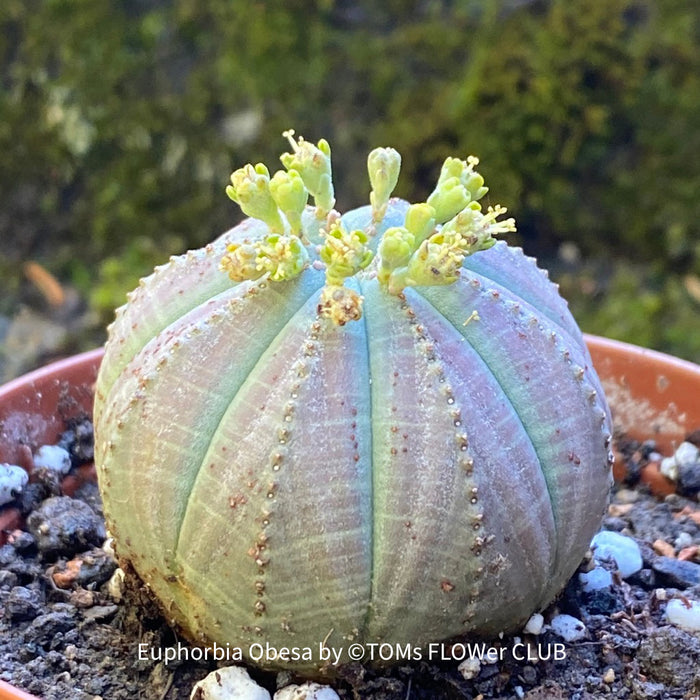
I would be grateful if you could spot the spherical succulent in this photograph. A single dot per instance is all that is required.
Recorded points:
(380, 427)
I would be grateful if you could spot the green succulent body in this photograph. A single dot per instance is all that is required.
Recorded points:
(435, 468)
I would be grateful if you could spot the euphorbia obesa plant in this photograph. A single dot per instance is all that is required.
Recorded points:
(381, 427)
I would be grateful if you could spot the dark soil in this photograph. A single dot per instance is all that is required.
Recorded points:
(62, 635)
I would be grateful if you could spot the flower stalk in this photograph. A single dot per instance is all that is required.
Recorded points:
(428, 249)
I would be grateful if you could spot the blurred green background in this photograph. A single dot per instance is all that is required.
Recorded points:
(120, 121)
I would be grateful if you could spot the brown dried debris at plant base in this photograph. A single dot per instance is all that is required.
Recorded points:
(59, 643)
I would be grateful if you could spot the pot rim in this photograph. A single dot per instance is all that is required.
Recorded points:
(50, 370)
(652, 394)
(10, 692)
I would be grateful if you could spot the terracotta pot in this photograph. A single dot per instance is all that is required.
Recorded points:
(650, 394)
(9, 692)
(33, 409)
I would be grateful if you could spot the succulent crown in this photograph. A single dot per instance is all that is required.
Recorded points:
(427, 249)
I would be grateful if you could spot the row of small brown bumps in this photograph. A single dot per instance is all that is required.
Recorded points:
(466, 461)
(260, 549)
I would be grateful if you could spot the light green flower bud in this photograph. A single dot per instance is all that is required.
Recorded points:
(383, 165)
(290, 195)
(420, 221)
(250, 189)
(395, 250)
(474, 183)
(344, 253)
(452, 167)
(449, 197)
(313, 163)
(464, 171)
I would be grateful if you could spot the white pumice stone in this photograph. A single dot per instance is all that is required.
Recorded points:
(52, 457)
(228, 683)
(12, 480)
(469, 668)
(569, 628)
(624, 551)
(686, 455)
(669, 468)
(307, 691)
(686, 617)
(115, 585)
(534, 624)
(596, 579)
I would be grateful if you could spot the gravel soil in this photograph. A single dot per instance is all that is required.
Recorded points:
(64, 633)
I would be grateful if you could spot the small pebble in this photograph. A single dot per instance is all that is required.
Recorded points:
(686, 455)
(596, 579)
(54, 458)
(34, 493)
(227, 683)
(12, 480)
(22, 541)
(64, 526)
(609, 676)
(669, 468)
(686, 617)
(534, 624)
(82, 598)
(529, 674)
(627, 496)
(8, 579)
(88, 569)
(96, 567)
(683, 540)
(79, 442)
(624, 551)
(688, 553)
(660, 594)
(645, 578)
(22, 604)
(569, 628)
(307, 691)
(100, 613)
(615, 524)
(617, 510)
(116, 585)
(681, 574)
(469, 668)
(47, 626)
(689, 479)
(663, 548)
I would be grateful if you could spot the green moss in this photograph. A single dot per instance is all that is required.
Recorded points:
(123, 121)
